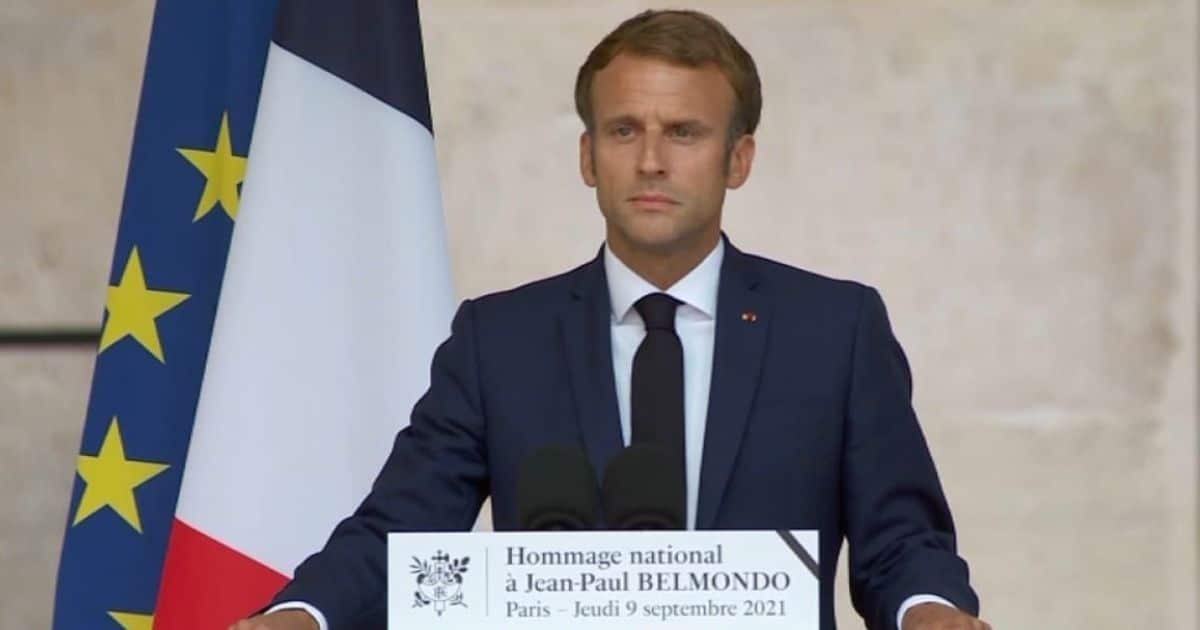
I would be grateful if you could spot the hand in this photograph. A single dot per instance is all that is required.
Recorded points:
(934, 616)
(281, 620)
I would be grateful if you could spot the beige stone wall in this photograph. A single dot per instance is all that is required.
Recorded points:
(1018, 179)
(70, 74)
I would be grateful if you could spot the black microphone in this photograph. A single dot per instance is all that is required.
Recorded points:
(556, 490)
(644, 488)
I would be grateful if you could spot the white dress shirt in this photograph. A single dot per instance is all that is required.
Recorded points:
(695, 323)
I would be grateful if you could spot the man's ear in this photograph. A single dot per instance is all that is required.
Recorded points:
(587, 167)
(740, 160)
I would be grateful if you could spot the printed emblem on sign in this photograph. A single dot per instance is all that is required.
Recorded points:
(439, 581)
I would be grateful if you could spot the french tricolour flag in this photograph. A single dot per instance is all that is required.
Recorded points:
(336, 291)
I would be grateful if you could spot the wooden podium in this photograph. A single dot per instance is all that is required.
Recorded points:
(662, 579)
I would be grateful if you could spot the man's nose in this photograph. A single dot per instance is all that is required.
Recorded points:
(650, 162)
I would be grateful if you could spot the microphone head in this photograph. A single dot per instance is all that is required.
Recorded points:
(556, 490)
(644, 488)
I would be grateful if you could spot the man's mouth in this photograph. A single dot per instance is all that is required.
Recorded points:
(655, 200)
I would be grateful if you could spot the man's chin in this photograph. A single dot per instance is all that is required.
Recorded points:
(660, 234)
(663, 243)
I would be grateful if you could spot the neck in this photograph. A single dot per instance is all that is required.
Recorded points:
(663, 268)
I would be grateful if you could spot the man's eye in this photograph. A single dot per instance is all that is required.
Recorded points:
(683, 132)
(623, 131)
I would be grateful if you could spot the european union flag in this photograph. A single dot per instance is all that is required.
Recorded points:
(199, 96)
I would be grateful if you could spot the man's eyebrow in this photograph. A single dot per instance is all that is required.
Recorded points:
(620, 119)
(688, 122)
(627, 119)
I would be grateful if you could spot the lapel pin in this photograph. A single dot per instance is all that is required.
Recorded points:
(750, 316)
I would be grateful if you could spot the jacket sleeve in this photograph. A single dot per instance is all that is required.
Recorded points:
(897, 521)
(434, 480)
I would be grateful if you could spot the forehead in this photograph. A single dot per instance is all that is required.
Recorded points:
(644, 86)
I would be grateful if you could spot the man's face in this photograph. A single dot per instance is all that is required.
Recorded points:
(658, 154)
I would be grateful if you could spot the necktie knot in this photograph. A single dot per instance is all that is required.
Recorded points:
(658, 311)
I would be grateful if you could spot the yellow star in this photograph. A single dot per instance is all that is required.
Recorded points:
(223, 170)
(132, 621)
(111, 478)
(132, 309)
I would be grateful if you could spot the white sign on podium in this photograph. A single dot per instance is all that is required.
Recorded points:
(663, 580)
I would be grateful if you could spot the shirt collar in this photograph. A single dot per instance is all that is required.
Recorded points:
(698, 289)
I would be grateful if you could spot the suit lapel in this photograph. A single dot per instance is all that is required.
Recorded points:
(743, 318)
(587, 339)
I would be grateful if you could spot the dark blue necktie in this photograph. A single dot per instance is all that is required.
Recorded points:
(656, 394)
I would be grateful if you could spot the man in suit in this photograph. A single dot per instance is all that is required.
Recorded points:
(787, 397)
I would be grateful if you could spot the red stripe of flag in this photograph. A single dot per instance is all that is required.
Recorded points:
(206, 584)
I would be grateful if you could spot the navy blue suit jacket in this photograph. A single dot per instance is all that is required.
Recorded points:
(810, 426)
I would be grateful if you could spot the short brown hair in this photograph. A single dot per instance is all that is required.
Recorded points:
(684, 37)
